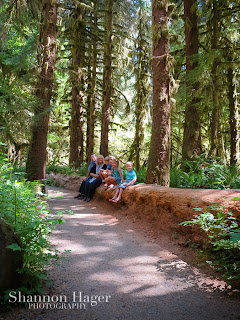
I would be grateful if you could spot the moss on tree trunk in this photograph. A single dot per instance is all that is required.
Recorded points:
(36, 160)
(192, 145)
(159, 157)
(107, 79)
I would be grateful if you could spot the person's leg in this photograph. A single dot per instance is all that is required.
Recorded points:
(83, 186)
(105, 175)
(119, 197)
(101, 175)
(92, 187)
(115, 195)
(86, 191)
(81, 190)
(108, 181)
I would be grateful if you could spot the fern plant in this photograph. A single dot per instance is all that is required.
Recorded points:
(223, 249)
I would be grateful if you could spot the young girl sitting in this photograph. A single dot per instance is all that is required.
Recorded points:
(106, 173)
(131, 178)
(116, 177)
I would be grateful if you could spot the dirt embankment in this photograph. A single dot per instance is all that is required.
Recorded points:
(163, 207)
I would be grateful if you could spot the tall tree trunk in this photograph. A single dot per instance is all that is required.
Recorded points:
(90, 144)
(107, 79)
(215, 120)
(142, 85)
(233, 119)
(192, 129)
(78, 78)
(158, 170)
(37, 154)
(88, 109)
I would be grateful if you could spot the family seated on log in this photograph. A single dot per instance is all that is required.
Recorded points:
(106, 171)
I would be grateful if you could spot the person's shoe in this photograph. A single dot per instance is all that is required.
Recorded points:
(77, 196)
(81, 197)
(88, 199)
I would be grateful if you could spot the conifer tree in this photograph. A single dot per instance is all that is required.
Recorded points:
(158, 170)
(78, 49)
(142, 85)
(93, 84)
(233, 116)
(107, 78)
(192, 129)
(37, 154)
(17, 60)
(215, 149)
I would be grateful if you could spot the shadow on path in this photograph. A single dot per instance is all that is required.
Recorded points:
(145, 281)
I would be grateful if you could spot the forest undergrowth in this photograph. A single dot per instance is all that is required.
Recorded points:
(29, 215)
(222, 251)
(25, 209)
(202, 172)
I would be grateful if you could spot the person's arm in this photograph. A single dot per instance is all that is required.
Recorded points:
(133, 180)
(94, 175)
(88, 172)
(99, 175)
(91, 165)
(93, 171)
(120, 172)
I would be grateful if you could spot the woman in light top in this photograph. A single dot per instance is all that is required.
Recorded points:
(95, 181)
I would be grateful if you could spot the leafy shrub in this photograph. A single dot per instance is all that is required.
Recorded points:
(29, 216)
(81, 171)
(207, 173)
(50, 181)
(223, 250)
(141, 175)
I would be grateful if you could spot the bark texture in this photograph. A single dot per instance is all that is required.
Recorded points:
(107, 79)
(233, 114)
(36, 160)
(192, 129)
(142, 85)
(159, 157)
(91, 120)
(216, 144)
(78, 78)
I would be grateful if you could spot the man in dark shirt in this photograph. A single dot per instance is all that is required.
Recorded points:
(81, 190)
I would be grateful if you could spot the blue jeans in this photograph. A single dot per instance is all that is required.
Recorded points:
(90, 187)
(82, 188)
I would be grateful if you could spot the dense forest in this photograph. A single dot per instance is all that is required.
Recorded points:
(155, 82)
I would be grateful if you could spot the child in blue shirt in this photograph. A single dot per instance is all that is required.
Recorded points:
(131, 178)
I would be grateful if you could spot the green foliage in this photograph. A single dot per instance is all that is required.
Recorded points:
(29, 216)
(223, 249)
(199, 173)
(205, 173)
(81, 171)
(17, 64)
(141, 175)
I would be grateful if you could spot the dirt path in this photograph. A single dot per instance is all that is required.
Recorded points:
(138, 276)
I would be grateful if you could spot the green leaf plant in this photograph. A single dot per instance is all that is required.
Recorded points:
(29, 216)
(223, 248)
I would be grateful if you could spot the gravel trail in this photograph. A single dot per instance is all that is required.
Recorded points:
(116, 272)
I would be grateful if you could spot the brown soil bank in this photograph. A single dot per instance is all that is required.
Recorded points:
(163, 207)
